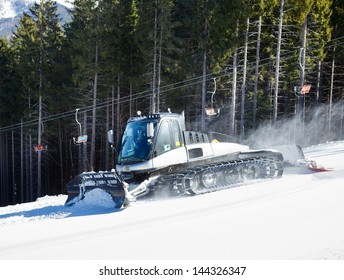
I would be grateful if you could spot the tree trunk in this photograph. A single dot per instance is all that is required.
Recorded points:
(84, 145)
(204, 75)
(4, 169)
(61, 157)
(204, 89)
(118, 110)
(318, 83)
(27, 168)
(256, 74)
(277, 68)
(39, 153)
(233, 101)
(94, 111)
(107, 128)
(329, 132)
(234, 85)
(153, 102)
(243, 86)
(159, 73)
(113, 123)
(301, 99)
(14, 184)
(31, 168)
(21, 161)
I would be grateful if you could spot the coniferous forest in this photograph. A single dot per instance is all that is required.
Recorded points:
(254, 63)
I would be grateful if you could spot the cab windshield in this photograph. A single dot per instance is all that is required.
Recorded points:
(136, 141)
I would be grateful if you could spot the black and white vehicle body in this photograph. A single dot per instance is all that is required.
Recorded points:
(158, 155)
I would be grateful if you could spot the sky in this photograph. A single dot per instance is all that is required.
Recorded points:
(294, 221)
(67, 3)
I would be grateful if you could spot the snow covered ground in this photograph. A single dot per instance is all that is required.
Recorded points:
(13, 8)
(297, 217)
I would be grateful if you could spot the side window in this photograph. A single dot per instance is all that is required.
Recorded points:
(176, 136)
(163, 142)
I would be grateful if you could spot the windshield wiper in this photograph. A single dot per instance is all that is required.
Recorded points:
(132, 159)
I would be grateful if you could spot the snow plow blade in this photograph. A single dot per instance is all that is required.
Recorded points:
(87, 181)
(293, 156)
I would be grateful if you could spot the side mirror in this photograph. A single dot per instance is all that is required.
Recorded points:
(150, 130)
(110, 137)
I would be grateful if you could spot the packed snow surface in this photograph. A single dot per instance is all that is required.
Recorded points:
(297, 217)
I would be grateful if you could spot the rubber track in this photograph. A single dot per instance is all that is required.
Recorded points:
(179, 183)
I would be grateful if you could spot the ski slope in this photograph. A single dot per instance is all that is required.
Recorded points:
(297, 217)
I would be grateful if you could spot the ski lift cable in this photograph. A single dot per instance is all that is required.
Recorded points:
(177, 85)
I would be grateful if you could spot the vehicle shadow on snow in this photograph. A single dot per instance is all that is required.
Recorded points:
(57, 212)
(77, 210)
(93, 204)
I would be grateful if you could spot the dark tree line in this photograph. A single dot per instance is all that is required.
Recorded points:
(116, 57)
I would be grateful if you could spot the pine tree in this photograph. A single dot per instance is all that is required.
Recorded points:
(155, 45)
(36, 43)
(10, 101)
